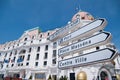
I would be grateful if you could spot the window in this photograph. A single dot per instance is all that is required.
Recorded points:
(54, 44)
(10, 53)
(37, 56)
(7, 66)
(28, 58)
(36, 63)
(54, 61)
(40, 76)
(18, 64)
(30, 50)
(14, 59)
(5, 54)
(27, 64)
(54, 53)
(41, 36)
(46, 55)
(25, 39)
(24, 44)
(45, 63)
(82, 17)
(22, 57)
(31, 41)
(40, 40)
(97, 48)
(21, 64)
(46, 47)
(15, 52)
(38, 49)
(12, 65)
(32, 37)
(48, 34)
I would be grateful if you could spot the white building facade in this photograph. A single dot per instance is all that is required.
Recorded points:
(32, 56)
(81, 50)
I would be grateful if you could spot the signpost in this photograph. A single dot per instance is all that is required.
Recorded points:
(93, 41)
(64, 30)
(88, 29)
(106, 54)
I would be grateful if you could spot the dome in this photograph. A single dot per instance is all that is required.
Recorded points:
(81, 76)
(83, 15)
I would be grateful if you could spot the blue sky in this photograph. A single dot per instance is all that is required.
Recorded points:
(16, 16)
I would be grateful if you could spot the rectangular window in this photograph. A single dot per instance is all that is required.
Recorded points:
(15, 52)
(5, 54)
(29, 50)
(38, 49)
(7, 66)
(27, 64)
(12, 65)
(21, 64)
(40, 76)
(46, 47)
(46, 55)
(54, 61)
(14, 58)
(54, 53)
(10, 53)
(28, 58)
(45, 63)
(37, 57)
(54, 44)
(36, 63)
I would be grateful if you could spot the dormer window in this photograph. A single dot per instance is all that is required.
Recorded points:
(77, 16)
(41, 36)
(48, 34)
(25, 39)
(82, 17)
(32, 37)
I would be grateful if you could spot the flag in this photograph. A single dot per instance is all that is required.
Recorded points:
(19, 60)
(6, 61)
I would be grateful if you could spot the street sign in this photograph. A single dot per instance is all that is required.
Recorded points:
(102, 55)
(88, 29)
(64, 30)
(93, 41)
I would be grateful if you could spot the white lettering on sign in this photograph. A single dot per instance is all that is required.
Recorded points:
(96, 40)
(89, 58)
(93, 26)
(64, 29)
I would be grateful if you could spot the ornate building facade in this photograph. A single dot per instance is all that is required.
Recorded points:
(81, 50)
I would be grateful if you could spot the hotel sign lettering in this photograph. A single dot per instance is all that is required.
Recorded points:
(106, 54)
(64, 29)
(93, 41)
(94, 26)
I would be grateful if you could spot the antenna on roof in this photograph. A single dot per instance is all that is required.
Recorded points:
(78, 8)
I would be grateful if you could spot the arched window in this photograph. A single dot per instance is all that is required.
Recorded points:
(22, 52)
(25, 39)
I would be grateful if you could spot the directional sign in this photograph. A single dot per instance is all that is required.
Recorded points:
(102, 55)
(88, 29)
(93, 41)
(64, 30)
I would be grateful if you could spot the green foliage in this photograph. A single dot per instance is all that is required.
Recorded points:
(63, 78)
